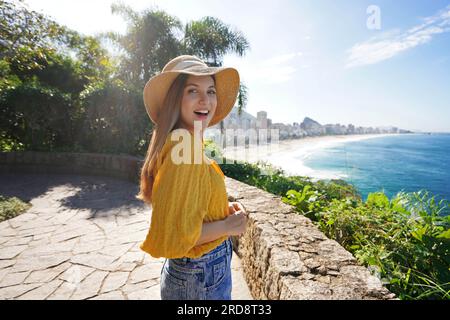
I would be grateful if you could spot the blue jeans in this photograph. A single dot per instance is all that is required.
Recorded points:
(204, 278)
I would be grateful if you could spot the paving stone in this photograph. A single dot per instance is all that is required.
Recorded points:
(63, 292)
(114, 281)
(17, 241)
(5, 239)
(21, 219)
(94, 260)
(47, 275)
(63, 216)
(76, 233)
(90, 237)
(144, 273)
(8, 231)
(117, 250)
(42, 292)
(11, 252)
(3, 273)
(42, 262)
(125, 266)
(36, 224)
(113, 295)
(90, 286)
(132, 257)
(49, 249)
(117, 239)
(130, 287)
(76, 274)
(40, 242)
(6, 263)
(37, 233)
(152, 293)
(16, 291)
(86, 247)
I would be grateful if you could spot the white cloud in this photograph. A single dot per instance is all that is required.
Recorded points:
(379, 49)
(282, 58)
(277, 69)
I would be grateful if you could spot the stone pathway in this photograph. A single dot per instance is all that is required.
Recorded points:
(80, 240)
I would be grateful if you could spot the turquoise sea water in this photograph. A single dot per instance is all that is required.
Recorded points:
(409, 162)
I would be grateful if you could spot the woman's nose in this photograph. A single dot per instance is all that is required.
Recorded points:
(204, 98)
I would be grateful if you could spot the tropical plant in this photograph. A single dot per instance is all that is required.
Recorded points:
(152, 38)
(210, 39)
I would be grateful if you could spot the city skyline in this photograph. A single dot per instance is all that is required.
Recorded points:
(373, 63)
(293, 130)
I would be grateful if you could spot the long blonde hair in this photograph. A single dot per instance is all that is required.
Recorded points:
(167, 121)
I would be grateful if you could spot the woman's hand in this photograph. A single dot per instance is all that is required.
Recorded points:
(236, 206)
(236, 222)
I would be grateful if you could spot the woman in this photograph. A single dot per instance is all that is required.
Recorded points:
(191, 218)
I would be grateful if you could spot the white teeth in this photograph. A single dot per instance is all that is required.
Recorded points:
(202, 111)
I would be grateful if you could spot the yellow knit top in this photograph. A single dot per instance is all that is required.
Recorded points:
(184, 196)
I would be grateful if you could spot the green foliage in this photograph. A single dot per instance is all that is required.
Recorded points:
(113, 120)
(263, 176)
(56, 91)
(60, 91)
(212, 150)
(210, 39)
(11, 207)
(150, 41)
(409, 248)
(406, 240)
(378, 200)
(307, 201)
(38, 117)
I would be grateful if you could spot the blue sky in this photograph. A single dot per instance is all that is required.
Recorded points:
(319, 59)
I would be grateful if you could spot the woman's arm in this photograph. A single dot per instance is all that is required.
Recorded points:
(234, 224)
(212, 231)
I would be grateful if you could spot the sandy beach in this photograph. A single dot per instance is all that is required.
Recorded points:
(289, 154)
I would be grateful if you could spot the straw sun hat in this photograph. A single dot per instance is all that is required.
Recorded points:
(227, 85)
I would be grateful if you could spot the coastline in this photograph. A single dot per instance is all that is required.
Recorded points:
(290, 154)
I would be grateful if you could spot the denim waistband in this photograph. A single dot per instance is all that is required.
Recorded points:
(222, 249)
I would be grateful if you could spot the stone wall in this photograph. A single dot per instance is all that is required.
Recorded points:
(119, 166)
(283, 254)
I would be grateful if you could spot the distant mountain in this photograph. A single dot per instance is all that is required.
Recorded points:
(311, 126)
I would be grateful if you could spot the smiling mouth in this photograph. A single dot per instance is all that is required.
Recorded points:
(202, 113)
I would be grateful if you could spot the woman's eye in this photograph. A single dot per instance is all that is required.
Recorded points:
(195, 90)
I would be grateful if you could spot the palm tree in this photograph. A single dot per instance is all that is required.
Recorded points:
(151, 40)
(210, 39)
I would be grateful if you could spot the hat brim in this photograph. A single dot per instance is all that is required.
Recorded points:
(227, 88)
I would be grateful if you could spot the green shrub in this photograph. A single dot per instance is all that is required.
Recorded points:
(405, 240)
(11, 207)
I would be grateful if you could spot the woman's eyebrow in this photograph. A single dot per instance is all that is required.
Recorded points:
(193, 84)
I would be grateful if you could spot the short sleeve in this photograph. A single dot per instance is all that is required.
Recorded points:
(181, 193)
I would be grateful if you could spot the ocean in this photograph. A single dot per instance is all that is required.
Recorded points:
(406, 162)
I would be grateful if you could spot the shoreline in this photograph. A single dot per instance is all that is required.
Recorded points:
(289, 155)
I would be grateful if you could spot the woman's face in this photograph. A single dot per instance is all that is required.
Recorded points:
(199, 102)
